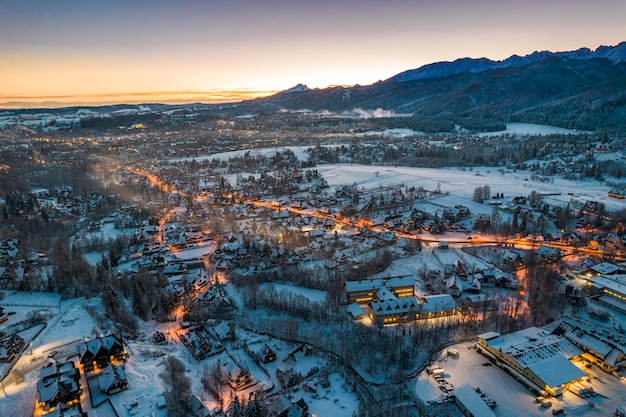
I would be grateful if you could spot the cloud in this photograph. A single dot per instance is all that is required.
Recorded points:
(377, 114)
(358, 113)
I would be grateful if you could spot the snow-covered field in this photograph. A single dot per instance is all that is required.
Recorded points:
(460, 183)
(529, 129)
(315, 296)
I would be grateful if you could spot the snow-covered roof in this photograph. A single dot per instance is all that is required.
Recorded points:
(385, 293)
(556, 371)
(589, 342)
(615, 283)
(533, 345)
(109, 375)
(372, 284)
(399, 305)
(489, 336)
(355, 310)
(612, 302)
(47, 391)
(472, 402)
(439, 302)
(605, 268)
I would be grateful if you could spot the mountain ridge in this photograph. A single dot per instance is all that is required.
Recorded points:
(582, 89)
(615, 53)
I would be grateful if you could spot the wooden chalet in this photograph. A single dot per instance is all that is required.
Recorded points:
(101, 351)
(112, 380)
(58, 384)
(10, 347)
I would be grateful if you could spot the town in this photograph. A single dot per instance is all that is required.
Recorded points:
(212, 261)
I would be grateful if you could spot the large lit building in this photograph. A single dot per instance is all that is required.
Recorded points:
(538, 359)
(407, 309)
(367, 290)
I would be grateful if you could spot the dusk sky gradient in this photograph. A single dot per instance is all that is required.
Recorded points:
(85, 51)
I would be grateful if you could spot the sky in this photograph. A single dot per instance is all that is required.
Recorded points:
(94, 51)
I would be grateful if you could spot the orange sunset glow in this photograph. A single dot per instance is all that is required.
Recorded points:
(70, 52)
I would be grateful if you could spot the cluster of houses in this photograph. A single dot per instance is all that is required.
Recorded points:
(459, 280)
(59, 387)
(59, 390)
(13, 265)
(63, 204)
(203, 342)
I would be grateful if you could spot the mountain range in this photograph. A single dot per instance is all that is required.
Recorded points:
(582, 89)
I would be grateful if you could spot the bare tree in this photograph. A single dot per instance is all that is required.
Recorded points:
(212, 381)
(177, 386)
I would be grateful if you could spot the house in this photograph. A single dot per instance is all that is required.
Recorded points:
(159, 338)
(101, 351)
(223, 331)
(454, 285)
(112, 380)
(266, 354)
(549, 253)
(288, 408)
(197, 408)
(433, 306)
(9, 347)
(606, 268)
(387, 236)
(142, 407)
(300, 352)
(511, 259)
(399, 310)
(58, 383)
(200, 343)
(214, 301)
(355, 311)
(235, 374)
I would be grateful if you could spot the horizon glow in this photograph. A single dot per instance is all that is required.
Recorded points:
(73, 52)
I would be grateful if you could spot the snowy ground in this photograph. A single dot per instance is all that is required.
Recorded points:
(68, 323)
(460, 183)
(530, 130)
(299, 151)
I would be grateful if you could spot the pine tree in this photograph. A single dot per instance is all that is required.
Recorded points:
(515, 221)
(255, 408)
(235, 409)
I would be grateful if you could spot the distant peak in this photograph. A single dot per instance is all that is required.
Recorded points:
(300, 88)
